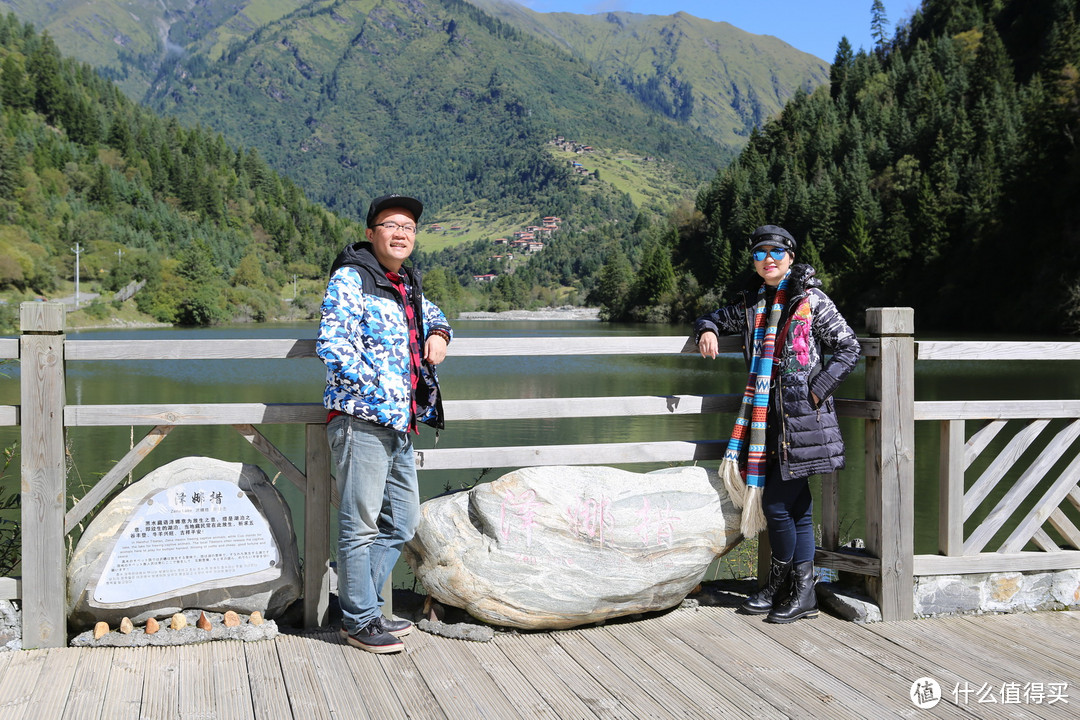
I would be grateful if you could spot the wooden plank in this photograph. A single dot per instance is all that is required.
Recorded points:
(620, 676)
(888, 659)
(9, 348)
(21, 676)
(1024, 485)
(830, 510)
(402, 679)
(317, 527)
(51, 694)
(460, 691)
(115, 476)
(677, 693)
(492, 409)
(10, 588)
(123, 695)
(275, 456)
(572, 692)
(951, 488)
(790, 684)
(9, 415)
(305, 693)
(890, 461)
(346, 693)
(161, 683)
(597, 454)
(996, 562)
(89, 685)
(980, 440)
(185, 414)
(245, 349)
(231, 689)
(995, 409)
(1068, 531)
(706, 684)
(1017, 446)
(269, 697)
(979, 664)
(512, 681)
(1048, 503)
(44, 481)
(852, 561)
(198, 693)
(868, 679)
(977, 350)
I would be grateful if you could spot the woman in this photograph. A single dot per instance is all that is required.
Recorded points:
(787, 429)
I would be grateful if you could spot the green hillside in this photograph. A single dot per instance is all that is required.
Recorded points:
(708, 75)
(129, 40)
(207, 231)
(924, 174)
(343, 97)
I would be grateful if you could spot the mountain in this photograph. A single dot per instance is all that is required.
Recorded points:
(129, 40)
(355, 97)
(316, 88)
(711, 75)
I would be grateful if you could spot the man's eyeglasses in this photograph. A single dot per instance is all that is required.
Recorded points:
(394, 227)
(776, 253)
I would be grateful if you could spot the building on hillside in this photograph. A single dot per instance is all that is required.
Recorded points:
(489, 277)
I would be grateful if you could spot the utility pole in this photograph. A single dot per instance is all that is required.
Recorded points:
(78, 251)
(294, 286)
(119, 256)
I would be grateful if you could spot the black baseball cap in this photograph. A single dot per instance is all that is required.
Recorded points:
(773, 235)
(414, 206)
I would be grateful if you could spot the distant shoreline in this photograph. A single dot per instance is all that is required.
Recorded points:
(566, 312)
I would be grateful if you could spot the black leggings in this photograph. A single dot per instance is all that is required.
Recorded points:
(789, 510)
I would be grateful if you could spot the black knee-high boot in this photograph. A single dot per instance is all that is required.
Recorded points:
(802, 603)
(775, 589)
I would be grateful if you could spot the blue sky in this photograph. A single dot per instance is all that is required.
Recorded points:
(813, 26)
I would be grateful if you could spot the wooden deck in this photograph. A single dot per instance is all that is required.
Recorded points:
(704, 662)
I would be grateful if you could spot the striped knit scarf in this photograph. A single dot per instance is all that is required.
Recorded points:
(750, 423)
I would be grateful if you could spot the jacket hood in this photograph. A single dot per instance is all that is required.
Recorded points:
(359, 254)
(362, 255)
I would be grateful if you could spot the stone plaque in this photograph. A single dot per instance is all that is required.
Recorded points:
(195, 533)
(185, 535)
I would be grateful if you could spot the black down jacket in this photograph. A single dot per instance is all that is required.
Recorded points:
(806, 435)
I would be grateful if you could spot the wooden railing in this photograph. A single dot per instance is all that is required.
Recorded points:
(888, 409)
(959, 498)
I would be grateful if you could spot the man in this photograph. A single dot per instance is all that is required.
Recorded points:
(380, 340)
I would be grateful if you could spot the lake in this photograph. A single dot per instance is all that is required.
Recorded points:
(94, 450)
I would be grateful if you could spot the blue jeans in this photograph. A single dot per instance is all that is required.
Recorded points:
(380, 509)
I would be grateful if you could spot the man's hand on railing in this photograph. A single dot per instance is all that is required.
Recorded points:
(435, 349)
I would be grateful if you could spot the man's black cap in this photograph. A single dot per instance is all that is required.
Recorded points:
(773, 235)
(414, 206)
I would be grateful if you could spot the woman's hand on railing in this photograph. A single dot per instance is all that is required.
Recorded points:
(708, 344)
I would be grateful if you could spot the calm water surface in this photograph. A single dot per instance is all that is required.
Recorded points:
(94, 450)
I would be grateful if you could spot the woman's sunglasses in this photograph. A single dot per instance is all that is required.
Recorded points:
(777, 254)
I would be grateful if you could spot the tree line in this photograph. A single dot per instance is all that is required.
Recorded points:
(934, 171)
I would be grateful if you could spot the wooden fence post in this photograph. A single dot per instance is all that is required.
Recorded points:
(317, 528)
(890, 460)
(44, 482)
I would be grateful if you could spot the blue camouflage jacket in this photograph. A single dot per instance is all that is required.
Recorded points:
(364, 343)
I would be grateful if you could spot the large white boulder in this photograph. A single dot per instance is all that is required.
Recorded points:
(196, 533)
(556, 547)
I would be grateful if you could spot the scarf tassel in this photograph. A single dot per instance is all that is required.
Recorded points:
(733, 481)
(753, 516)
